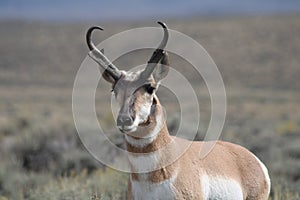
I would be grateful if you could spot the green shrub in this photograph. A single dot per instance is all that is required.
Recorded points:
(37, 152)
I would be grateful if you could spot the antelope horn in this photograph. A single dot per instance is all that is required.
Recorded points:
(157, 54)
(163, 43)
(99, 57)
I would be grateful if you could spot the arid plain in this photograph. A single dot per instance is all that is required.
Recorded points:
(41, 154)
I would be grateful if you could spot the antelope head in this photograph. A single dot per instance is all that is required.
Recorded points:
(134, 91)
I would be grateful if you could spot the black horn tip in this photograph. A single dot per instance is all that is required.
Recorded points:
(90, 30)
(89, 36)
(162, 24)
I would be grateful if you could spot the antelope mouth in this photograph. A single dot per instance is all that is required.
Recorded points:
(127, 129)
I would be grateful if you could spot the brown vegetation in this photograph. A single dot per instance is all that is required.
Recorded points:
(41, 155)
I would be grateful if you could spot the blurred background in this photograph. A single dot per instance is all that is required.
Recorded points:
(255, 44)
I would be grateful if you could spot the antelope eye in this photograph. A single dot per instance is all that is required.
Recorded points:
(149, 89)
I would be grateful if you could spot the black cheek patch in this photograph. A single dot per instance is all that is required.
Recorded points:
(149, 89)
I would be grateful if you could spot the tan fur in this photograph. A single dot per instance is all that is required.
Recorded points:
(228, 170)
(226, 160)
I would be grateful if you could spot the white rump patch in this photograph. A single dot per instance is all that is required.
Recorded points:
(220, 188)
(266, 173)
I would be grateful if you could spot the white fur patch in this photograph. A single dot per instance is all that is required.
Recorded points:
(265, 170)
(144, 190)
(144, 162)
(144, 112)
(142, 142)
(131, 76)
(220, 188)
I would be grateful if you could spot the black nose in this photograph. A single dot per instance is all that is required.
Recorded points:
(124, 120)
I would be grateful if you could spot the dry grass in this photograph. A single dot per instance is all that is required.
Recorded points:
(259, 61)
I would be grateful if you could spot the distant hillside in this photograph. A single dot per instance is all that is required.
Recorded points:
(251, 52)
(136, 9)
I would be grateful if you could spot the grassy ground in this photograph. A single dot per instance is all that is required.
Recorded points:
(41, 154)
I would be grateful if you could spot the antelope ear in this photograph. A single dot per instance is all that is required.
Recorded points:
(161, 70)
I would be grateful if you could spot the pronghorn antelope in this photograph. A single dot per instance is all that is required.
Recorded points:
(229, 171)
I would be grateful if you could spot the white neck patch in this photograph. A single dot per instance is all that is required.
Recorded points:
(145, 162)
